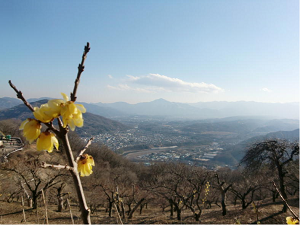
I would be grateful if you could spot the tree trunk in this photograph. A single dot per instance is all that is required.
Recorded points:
(172, 209)
(34, 200)
(178, 211)
(197, 216)
(110, 205)
(135, 207)
(243, 203)
(29, 202)
(60, 198)
(224, 211)
(282, 187)
(122, 210)
(141, 208)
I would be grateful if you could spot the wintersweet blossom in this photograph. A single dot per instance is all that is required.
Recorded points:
(85, 164)
(46, 141)
(31, 129)
(291, 220)
(72, 113)
(45, 113)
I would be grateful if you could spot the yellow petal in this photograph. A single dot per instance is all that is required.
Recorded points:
(55, 142)
(71, 124)
(43, 114)
(72, 108)
(55, 105)
(81, 108)
(46, 141)
(23, 124)
(85, 164)
(31, 130)
(66, 98)
(291, 220)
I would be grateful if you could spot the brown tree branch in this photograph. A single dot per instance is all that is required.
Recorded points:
(62, 134)
(80, 70)
(20, 96)
(84, 149)
(294, 214)
(45, 165)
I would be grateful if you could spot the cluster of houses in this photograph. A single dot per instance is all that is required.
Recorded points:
(133, 137)
(201, 153)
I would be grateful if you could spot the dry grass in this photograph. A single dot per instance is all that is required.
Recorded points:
(11, 213)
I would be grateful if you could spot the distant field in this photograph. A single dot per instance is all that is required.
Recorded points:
(133, 154)
(218, 132)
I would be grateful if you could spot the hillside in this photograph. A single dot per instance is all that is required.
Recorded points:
(94, 124)
(237, 151)
(8, 102)
(103, 111)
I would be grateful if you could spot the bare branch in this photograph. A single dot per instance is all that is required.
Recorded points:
(294, 214)
(59, 167)
(20, 96)
(80, 70)
(84, 149)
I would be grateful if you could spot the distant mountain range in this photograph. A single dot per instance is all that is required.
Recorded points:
(8, 102)
(93, 124)
(204, 110)
(173, 110)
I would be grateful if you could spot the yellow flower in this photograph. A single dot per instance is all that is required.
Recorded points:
(45, 113)
(31, 129)
(55, 105)
(46, 141)
(72, 113)
(291, 220)
(85, 164)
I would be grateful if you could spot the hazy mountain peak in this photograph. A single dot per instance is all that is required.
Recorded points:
(160, 100)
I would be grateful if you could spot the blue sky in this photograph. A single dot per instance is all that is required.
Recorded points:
(142, 50)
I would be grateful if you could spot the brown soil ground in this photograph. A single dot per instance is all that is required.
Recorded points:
(12, 213)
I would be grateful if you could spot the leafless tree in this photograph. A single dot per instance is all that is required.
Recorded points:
(244, 187)
(275, 154)
(223, 185)
(35, 179)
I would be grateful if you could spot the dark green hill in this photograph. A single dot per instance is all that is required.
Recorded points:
(93, 124)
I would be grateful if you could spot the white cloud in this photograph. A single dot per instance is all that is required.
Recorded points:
(266, 90)
(125, 87)
(162, 82)
(110, 76)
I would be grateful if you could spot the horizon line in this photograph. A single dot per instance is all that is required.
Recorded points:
(162, 99)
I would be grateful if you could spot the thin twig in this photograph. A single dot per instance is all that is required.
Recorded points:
(80, 70)
(84, 149)
(70, 209)
(45, 205)
(20, 96)
(294, 214)
(24, 215)
(59, 167)
(118, 213)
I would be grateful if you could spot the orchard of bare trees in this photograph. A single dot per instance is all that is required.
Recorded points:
(123, 191)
